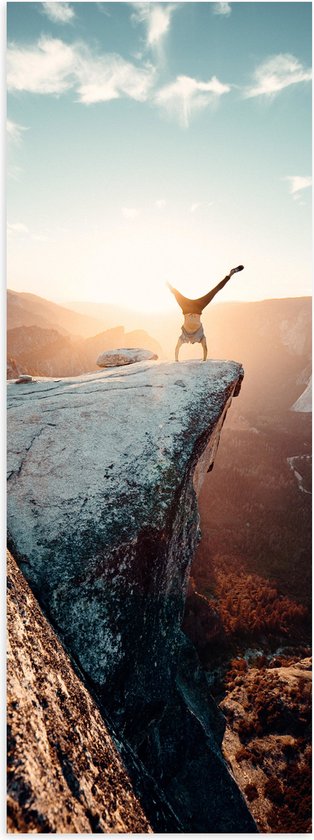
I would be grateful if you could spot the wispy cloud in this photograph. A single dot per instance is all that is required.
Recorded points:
(14, 134)
(198, 204)
(40, 237)
(298, 183)
(53, 67)
(58, 12)
(103, 9)
(276, 73)
(222, 9)
(157, 19)
(110, 77)
(187, 95)
(17, 228)
(15, 131)
(160, 203)
(46, 67)
(14, 172)
(130, 212)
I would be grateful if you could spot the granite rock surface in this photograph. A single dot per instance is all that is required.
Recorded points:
(103, 475)
(64, 772)
(124, 356)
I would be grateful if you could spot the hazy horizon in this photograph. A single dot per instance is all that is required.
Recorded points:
(65, 302)
(159, 142)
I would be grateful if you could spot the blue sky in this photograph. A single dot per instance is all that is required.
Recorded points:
(159, 141)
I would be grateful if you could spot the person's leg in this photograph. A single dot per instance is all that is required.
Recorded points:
(178, 345)
(204, 346)
(205, 300)
(184, 302)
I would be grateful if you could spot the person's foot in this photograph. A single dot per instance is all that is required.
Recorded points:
(238, 268)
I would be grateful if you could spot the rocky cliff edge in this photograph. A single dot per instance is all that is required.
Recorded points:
(103, 472)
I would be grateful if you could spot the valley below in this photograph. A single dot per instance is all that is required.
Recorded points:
(248, 610)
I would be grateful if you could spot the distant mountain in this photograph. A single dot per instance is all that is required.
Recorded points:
(13, 370)
(117, 337)
(26, 310)
(304, 403)
(45, 352)
(110, 314)
(272, 339)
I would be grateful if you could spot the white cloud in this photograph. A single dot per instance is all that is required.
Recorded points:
(161, 203)
(40, 237)
(157, 18)
(276, 73)
(58, 12)
(222, 9)
(197, 204)
(110, 77)
(14, 134)
(102, 8)
(298, 183)
(53, 67)
(17, 228)
(44, 68)
(15, 131)
(130, 212)
(186, 95)
(14, 172)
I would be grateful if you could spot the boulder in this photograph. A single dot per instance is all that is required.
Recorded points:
(124, 356)
(23, 377)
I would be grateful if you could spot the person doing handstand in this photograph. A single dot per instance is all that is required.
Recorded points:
(192, 329)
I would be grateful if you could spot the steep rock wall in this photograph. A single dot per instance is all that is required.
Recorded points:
(64, 773)
(103, 520)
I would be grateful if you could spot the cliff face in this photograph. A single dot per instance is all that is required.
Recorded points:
(304, 403)
(103, 520)
(64, 773)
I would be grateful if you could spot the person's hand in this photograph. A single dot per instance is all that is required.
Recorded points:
(169, 286)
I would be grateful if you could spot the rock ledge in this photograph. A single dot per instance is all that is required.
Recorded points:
(103, 472)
